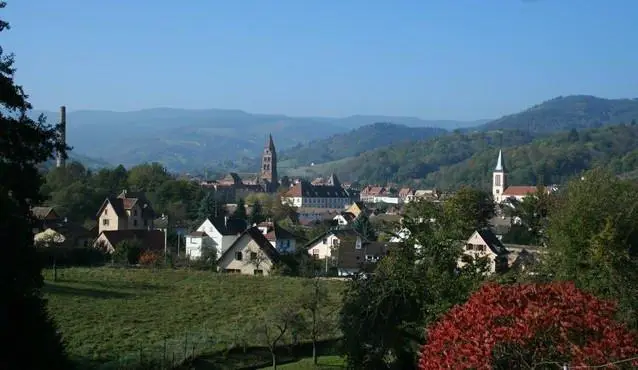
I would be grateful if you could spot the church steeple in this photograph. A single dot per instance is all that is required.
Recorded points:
(499, 179)
(499, 162)
(269, 165)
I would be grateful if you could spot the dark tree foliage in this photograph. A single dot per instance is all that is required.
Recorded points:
(209, 207)
(29, 337)
(364, 227)
(240, 212)
(256, 213)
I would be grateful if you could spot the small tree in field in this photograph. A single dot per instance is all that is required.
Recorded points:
(277, 323)
(313, 300)
(527, 327)
(128, 251)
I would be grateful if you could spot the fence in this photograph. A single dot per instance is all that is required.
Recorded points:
(167, 354)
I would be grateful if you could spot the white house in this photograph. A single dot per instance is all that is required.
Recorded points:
(483, 243)
(249, 254)
(323, 246)
(196, 244)
(223, 231)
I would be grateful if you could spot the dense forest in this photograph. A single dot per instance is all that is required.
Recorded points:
(468, 158)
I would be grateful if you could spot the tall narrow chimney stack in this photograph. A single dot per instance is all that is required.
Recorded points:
(60, 160)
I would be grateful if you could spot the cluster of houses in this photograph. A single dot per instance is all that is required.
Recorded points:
(254, 249)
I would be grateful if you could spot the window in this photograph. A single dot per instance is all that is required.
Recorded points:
(315, 253)
(335, 242)
(258, 272)
(106, 211)
(105, 222)
(325, 240)
(134, 222)
(135, 212)
(253, 256)
(239, 256)
(469, 247)
(497, 180)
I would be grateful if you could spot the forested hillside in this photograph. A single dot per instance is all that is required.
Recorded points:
(553, 159)
(354, 142)
(414, 160)
(468, 159)
(565, 113)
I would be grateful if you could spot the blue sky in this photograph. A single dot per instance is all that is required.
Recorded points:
(436, 59)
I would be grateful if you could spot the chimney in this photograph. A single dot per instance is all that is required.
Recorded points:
(61, 162)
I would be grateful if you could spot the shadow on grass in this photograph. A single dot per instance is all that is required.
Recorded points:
(82, 292)
(115, 284)
(258, 357)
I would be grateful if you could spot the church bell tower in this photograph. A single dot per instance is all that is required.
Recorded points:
(269, 166)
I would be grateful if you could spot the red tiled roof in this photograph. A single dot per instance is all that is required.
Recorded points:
(405, 192)
(519, 190)
(306, 189)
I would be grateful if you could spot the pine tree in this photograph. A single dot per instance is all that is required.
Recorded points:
(29, 336)
(209, 207)
(363, 226)
(240, 212)
(256, 213)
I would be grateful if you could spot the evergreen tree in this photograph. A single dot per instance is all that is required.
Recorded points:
(363, 226)
(30, 337)
(209, 207)
(256, 213)
(240, 212)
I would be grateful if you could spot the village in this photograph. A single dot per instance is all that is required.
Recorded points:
(351, 230)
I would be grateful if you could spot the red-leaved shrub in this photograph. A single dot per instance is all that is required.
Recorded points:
(149, 258)
(521, 326)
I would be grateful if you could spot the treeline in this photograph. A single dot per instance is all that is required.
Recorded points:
(574, 304)
(77, 193)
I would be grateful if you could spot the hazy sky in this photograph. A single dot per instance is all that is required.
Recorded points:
(436, 59)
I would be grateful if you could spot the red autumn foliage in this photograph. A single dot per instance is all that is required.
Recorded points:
(519, 326)
(149, 258)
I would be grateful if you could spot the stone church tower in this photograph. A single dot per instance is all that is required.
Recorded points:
(269, 167)
(499, 179)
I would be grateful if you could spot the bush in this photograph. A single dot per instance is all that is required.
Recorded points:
(150, 258)
(128, 252)
(524, 326)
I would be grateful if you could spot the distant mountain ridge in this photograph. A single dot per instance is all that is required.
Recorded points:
(187, 139)
(354, 142)
(564, 113)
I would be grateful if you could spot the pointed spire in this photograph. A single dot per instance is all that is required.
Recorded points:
(270, 144)
(499, 162)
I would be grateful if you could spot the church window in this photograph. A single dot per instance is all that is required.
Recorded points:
(497, 180)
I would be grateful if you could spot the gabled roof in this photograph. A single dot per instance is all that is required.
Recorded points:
(197, 234)
(338, 233)
(405, 192)
(278, 233)
(519, 190)
(150, 239)
(42, 212)
(229, 225)
(260, 240)
(305, 189)
(126, 201)
(350, 257)
(492, 241)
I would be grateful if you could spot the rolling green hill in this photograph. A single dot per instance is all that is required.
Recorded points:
(468, 159)
(354, 142)
(565, 113)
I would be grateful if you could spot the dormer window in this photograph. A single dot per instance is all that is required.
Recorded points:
(106, 211)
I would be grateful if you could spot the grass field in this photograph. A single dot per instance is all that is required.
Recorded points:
(107, 313)
(323, 363)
